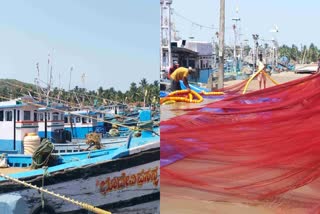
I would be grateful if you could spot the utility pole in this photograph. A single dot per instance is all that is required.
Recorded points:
(165, 35)
(221, 44)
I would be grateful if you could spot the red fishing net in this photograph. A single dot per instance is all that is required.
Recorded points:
(255, 146)
(234, 89)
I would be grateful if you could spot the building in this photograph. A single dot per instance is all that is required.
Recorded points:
(195, 54)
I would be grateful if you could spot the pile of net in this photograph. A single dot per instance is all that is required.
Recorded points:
(256, 146)
(42, 154)
(94, 141)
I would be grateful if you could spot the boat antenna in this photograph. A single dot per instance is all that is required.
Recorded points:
(71, 69)
(83, 77)
(59, 89)
(50, 79)
(36, 81)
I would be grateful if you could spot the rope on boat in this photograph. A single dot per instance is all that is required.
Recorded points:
(41, 189)
(42, 154)
(45, 173)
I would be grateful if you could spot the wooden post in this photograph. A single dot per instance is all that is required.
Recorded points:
(221, 44)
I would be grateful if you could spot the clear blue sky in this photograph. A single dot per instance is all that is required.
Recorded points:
(113, 42)
(296, 20)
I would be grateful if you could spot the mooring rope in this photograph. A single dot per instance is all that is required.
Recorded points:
(41, 189)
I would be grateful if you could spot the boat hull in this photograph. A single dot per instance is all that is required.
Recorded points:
(112, 185)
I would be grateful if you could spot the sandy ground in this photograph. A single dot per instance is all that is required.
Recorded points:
(279, 78)
(176, 200)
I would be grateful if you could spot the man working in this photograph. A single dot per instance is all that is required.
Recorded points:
(180, 73)
(173, 68)
(261, 77)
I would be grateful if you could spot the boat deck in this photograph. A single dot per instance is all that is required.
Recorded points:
(12, 170)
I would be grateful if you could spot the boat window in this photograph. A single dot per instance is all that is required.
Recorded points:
(66, 119)
(1, 115)
(18, 115)
(94, 120)
(84, 120)
(27, 115)
(77, 119)
(48, 116)
(8, 115)
(89, 119)
(61, 116)
(35, 116)
(55, 116)
(41, 116)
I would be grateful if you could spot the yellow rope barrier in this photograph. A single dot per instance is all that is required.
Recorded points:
(78, 203)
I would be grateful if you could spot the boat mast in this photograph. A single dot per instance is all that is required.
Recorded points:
(71, 69)
(49, 83)
(37, 83)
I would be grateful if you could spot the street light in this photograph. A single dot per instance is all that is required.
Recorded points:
(235, 45)
(255, 38)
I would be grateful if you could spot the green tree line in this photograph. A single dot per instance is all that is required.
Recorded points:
(303, 54)
(137, 93)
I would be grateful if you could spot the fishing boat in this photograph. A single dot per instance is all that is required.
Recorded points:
(112, 179)
(50, 123)
(23, 116)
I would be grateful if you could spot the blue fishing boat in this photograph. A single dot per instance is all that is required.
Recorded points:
(23, 119)
(111, 179)
(80, 123)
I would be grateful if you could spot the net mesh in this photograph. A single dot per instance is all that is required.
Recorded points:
(256, 146)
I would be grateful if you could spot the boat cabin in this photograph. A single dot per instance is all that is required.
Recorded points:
(51, 123)
(116, 109)
(80, 123)
(17, 119)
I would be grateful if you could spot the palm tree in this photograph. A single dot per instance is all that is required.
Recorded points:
(133, 92)
(313, 53)
(143, 83)
(100, 91)
(294, 53)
